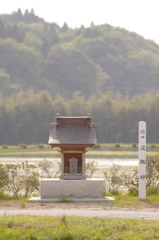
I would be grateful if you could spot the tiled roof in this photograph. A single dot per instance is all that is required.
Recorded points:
(73, 134)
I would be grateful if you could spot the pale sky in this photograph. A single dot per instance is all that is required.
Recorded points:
(140, 16)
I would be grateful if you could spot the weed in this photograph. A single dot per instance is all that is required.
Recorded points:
(65, 200)
(23, 204)
(63, 219)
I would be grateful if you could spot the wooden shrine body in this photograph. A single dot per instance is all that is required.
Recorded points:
(72, 136)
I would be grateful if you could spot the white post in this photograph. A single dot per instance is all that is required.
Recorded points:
(142, 160)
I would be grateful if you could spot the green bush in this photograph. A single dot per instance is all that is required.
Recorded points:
(91, 168)
(152, 190)
(24, 146)
(40, 146)
(5, 147)
(117, 145)
(153, 146)
(18, 178)
(47, 168)
(115, 178)
(4, 195)
(133, 191)
(134, 145)
(97, 146)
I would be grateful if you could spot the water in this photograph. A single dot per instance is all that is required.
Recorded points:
(104, 162)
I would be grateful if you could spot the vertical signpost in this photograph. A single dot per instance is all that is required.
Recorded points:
(142, 160)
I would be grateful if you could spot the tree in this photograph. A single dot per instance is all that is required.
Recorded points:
(2, 29)
(64, 27)
(17, 35)
(71, 71)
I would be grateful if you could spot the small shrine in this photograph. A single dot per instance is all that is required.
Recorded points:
(72, 136)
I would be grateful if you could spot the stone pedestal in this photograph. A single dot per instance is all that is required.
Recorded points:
(72, 189)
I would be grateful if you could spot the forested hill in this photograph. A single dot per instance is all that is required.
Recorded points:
(38, 55)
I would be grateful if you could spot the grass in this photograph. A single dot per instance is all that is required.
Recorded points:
(132, 202)
(121, 201)
(34, 150)
(80, 228)
(65, 200)
(76, 228)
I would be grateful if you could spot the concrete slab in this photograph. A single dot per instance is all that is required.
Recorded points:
(39, 199)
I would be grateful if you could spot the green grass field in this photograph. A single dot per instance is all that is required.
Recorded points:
(76, 228)
(101, 150)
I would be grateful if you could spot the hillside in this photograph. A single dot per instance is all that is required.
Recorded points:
(38, 55)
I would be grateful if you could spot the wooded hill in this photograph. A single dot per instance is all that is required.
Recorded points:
(38, 55)
(46, 69)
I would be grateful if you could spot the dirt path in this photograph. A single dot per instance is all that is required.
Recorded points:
(93, 209)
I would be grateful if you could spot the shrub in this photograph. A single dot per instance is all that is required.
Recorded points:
(18, 178)
(152, 174)
(46, 167)
(29, 178)
(91, 168)
(115, 178)
(133, 191)
(5, 147)
(40, 146)
(12, 179)
(153, 146)
(2, 176)
(4, 195)
(24, 146)
(97, 146)
(152, 190)
(117, 145)
(134, 145)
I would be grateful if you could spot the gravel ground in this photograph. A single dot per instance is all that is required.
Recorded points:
(85, 213)
(93, 209)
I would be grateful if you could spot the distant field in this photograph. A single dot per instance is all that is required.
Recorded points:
(110, 149)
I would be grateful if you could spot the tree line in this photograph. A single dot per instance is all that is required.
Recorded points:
(26, 117)
(38, 55)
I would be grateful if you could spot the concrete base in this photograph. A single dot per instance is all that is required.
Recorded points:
(39, 199)
(72, 189)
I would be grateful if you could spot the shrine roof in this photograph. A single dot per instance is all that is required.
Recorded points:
(73, 130)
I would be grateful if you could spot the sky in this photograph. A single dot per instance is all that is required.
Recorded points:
(140, 16)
